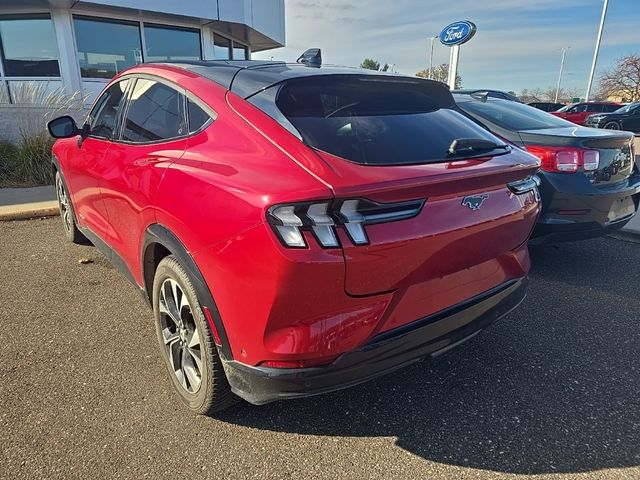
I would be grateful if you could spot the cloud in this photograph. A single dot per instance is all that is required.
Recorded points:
(517, 45)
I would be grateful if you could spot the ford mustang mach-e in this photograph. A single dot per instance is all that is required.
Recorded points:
(297, 230)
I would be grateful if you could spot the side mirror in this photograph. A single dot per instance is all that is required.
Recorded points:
(311, 58)
(63, 127)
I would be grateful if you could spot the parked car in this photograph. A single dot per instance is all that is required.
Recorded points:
(589, 183)
(625, 118)
(488, 93)
(578, 112)
(297, 230)
(547, 106)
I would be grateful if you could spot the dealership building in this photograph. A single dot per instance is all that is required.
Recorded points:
(79, 44)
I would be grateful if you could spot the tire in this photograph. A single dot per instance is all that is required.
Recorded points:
(611, 126)
(67, 213)
(184, 337)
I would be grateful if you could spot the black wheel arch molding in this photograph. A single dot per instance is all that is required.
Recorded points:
(158, 234)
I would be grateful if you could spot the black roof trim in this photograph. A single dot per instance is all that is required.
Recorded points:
(248, 77)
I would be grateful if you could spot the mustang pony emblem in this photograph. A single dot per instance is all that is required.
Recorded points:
(474, 202)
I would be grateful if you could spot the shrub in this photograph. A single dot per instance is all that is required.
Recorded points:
(34, 104)
(28, 164)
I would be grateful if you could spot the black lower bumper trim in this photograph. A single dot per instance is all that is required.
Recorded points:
(385, 353)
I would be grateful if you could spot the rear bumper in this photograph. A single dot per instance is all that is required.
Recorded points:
(384, 353)
(592, 207)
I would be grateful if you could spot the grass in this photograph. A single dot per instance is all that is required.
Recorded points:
(34, 104)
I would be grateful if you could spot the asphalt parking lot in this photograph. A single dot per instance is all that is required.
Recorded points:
(552, 391)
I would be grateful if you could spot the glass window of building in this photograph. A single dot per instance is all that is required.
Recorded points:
(240, 52)
(105, 48)
(168, 43)
(29, 47)
(221, 47)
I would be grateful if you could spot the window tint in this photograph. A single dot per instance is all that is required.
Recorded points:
(376, 121)
(197, 117)
(166, 44)
(156, 112)
(610, 108)
(30, 47)
(104, 116)
(594, 107)
(105, 47)
(221, 47)
(579, 108)
(513, 116)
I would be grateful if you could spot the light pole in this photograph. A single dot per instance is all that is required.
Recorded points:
(564, 54)
(431, 58)
(597, 51)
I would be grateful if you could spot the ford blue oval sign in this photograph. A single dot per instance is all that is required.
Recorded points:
(457, 33)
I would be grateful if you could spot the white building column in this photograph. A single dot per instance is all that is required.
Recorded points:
(68, 54)
(208, 51)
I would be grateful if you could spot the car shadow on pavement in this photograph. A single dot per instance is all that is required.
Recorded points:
(553, 388)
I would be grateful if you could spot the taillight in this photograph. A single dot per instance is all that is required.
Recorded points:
(290, 221)
(565, 160)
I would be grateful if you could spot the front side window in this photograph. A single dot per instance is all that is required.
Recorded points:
(166, 44)
(105, 48)
(155, 113)
(29, 47)
(104, 116)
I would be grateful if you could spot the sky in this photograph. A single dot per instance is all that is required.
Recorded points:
(518, 44)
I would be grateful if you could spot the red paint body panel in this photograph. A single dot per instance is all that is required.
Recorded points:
(580, 117)
(130, 176)
(212, 191)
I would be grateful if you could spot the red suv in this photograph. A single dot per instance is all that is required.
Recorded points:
(578, 112)
(297, 230)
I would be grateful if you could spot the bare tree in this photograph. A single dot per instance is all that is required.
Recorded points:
(440, 73)
(623, 80)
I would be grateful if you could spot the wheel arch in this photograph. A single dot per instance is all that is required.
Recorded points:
(158, 243)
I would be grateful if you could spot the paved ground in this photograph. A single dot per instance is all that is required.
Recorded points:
(551, 392)
(13, 196)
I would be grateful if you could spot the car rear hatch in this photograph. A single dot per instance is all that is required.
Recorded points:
(421, 192)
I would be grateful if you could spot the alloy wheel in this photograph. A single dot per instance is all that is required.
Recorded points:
(612, 126)
(180, 335)
(63, 202)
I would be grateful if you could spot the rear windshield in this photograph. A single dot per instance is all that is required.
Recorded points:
(512, 115)
(375, 120)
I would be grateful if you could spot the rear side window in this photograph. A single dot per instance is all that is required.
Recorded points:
(610, 108)
(197, 117)
(375, 120)
(155, 113)
(594, 108)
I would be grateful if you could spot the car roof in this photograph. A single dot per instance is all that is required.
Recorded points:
(247, 77)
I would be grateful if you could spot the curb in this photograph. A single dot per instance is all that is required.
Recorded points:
(29, 210)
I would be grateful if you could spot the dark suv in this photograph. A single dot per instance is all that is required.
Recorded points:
(624, 118)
